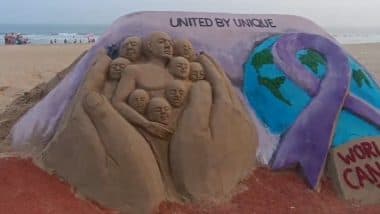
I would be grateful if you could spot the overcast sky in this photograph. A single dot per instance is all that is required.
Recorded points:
(324, 12)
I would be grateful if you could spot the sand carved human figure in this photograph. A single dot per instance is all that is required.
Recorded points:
(139, 100)
(184, 48)
(203, 150)
(131, 48)
(152, 77)
(179, 67)
(196, 72)
(116, 67)
(176, 92)
(159, 110)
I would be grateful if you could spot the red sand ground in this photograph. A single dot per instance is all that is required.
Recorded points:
(280, 193)
(25, 189)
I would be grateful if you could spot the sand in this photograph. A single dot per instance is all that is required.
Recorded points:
(368, 55)
(268, 192)
(23, 67)
(40, 193)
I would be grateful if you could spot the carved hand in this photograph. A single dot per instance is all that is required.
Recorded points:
(214, 144)
(158, 130)
(130, 165)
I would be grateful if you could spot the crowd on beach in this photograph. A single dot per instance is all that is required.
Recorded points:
(15, 39)
(20, 39)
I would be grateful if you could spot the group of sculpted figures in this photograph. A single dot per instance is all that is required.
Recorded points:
(164, 99)
(169, 121)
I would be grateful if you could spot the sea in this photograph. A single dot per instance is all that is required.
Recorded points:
(355, 35)
(44, 33)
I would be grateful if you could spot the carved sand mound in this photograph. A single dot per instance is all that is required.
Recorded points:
(153, 127)
(164, 116)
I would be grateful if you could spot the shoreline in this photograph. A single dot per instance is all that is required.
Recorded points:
(48, 44)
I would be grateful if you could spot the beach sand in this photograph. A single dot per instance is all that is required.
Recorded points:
(23, 67)
(368, 55)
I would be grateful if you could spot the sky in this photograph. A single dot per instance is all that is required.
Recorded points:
(328, 13)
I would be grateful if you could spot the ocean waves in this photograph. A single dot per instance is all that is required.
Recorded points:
(45, 33)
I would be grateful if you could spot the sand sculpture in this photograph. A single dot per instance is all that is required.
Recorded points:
(196, 72)
(131, 48)
(138, 100)
(177, 115)
(175, 93)
(355, 170)
(179, 67)
(184, 48)
(117, 66)
(299, 73)
(148, 133)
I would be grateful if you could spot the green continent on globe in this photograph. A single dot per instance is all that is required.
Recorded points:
(312, 59)
(359, 77)
(273, 85)
(261, 58)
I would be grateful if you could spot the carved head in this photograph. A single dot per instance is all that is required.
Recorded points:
(196, 72)
(179, 67)
(138, 100)
(116, 67)
(176, 92)
(184, 48)
(159, 110)
(159, 45)
(131, 48)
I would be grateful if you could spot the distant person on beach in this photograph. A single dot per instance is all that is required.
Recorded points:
(65, 41)
(55, 41)
(51, 41)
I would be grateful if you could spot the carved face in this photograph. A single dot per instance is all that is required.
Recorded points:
(116, 67)
(185, 48)
(175, 93)
(159, 110)
(179, 67)
(196, 72)
(131, 48)
(138, 100)
(160, 45)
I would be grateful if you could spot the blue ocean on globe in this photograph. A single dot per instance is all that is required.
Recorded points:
(278, 101)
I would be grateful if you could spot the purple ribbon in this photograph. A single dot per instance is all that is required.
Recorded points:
(308, 141)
